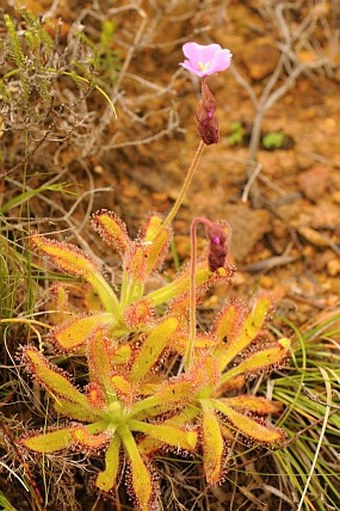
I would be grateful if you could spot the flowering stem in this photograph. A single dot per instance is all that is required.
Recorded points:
(185, 186)
(192, 297)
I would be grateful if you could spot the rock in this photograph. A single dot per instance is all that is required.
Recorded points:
(318, 263)
(239, 279)
(261, 57)
(159, 196)
(336, 161)
(296, 213)
(248, 226)
(313, 182)
(324, 216)
(270, 162)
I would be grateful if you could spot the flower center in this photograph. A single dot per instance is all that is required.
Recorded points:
(202, 66)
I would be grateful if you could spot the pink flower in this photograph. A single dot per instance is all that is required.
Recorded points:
(204, 60)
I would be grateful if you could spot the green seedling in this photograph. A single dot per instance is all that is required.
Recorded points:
(273, 140)
(236, 135)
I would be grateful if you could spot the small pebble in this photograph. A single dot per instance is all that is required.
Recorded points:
(313, 182)
(159, 197)
(336, 197)
(314, 237)
(333, 267)
(266, 282)
(98, 169)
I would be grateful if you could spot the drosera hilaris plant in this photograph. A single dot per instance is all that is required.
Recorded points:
(133, 405)
(125, 396)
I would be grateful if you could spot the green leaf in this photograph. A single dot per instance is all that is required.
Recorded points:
(258, 405)
(141, 480)
(107, 478)
(236, 135)
(228, 322)
(250, 329)
(260, 360)
(75, 333)
(49, 442)
(5, 504)
(169, 434)
(273, 140)
(149, 445)
(26, 196)
(213, 444)
(159, 239)
(66, 256)
(55, 383)
(112, 229)
(180, 286)
(74, 410)
(123, 388)
(172, 394)
(76, 262)
(249, 427)
(90, 438)
(152, 348)
(98, 357)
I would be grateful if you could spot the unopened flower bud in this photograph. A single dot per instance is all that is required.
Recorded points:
(207, 123)
(218, 249)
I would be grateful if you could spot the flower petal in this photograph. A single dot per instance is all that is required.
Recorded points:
(221, 60)
(209, 51)
(187, 64)
(192, 50)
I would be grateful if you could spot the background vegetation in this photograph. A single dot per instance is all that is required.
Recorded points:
(274, 176)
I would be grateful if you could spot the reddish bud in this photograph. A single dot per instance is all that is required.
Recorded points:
(218, 249)
(207, 123)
